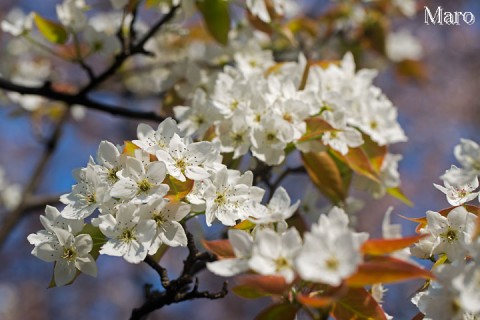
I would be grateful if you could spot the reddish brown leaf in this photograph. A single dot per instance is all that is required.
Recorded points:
(221, 248)
(279, 311)
(358, 304)
(422, 222)
(384, 269)
(419, 316)
(325, 175)
(358, 161)
(253, 286)
(315, 301)
(386, 246)
(315, 128)
(374, 152)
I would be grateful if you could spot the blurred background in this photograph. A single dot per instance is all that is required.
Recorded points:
(435, 112)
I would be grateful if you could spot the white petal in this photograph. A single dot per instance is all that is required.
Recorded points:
(196, 173)
(156, 172)
(87, 265)
(136, 252)
(228, 267)
(83, 244)
(48, 251)
(241, 241)
(124, 189)
(173, 234)
(114, 247)
(64, 272)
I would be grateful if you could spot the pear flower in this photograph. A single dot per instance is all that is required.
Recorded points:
(228, 195)
(86, 196)
(166, 216)
(277, 211)
(274, 254)
(458, 194)
(129, 237)
(69, 254)
(183, 160)
(451, 233)
(140, 183)
(242, 243)
(151, 141)
(331, 251)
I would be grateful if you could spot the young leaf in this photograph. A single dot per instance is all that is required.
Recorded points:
(375, 153)
(254, 286)
(178, 189)
(358, 304)
(245, 225)
(217, 18)
(315, 301)
(278, 311)
(129, 148)
(398, 193)
(221, 248)
(358, 161)
(386, 246)
(315, 128)
(384, 269)
(325, 175)
(50, 30)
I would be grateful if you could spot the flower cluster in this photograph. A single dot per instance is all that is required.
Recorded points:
(328, 254)
(262, 106)
(136, 193)
(451, 239)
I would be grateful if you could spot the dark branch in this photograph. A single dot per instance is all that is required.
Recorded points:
(183, 288)
(47, 91)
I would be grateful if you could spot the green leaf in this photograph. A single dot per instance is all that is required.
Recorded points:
(279, 311)
(398, 193)
(50, 30)
(357, 304)
(217, 18)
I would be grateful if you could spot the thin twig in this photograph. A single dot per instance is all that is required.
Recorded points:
(14, 216)
(183, 288)
(124, 55)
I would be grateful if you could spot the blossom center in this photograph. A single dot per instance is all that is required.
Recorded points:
(127, 235)
(281, 263)
(69, 254)
(220, 199)
(144, 185)
(332, 263)
(181, 164)
(159, 220)
(450, 235)
(112, 175)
